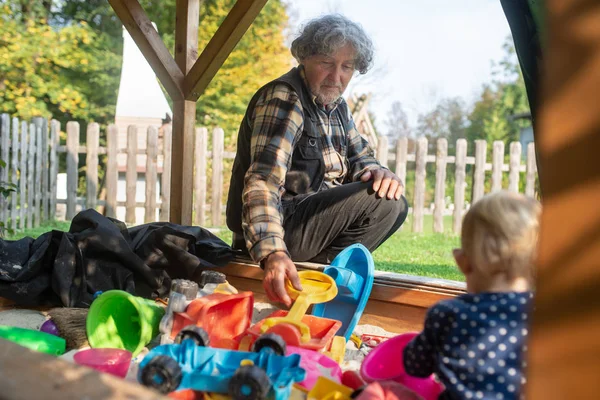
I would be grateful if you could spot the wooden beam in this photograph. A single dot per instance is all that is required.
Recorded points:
(184, 115)
(186, 33)
(564, 349)
(26, 374)
(182, 162)
(140, 28)
(220, 46)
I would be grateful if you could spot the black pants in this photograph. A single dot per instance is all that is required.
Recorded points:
(319, 226)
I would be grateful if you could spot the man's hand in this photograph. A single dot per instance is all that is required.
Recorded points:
(385, 183)
(279, 266)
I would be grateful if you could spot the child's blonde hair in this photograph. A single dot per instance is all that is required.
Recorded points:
(499, 234)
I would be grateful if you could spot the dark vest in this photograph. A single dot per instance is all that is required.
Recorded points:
(306, 174)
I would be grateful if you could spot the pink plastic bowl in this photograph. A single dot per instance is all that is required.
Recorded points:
(112, 361)
(316, 364)
(385, 362)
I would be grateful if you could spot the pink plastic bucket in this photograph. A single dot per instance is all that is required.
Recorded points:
(385, 362)
(111, 361)
(316, 364)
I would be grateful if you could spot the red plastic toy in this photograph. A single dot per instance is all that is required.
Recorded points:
(225, 317)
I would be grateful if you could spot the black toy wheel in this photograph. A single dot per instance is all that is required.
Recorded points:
(270, 341)
(162, 373)
(357, 392)
(197, 334)
(249, 383)
(187, 288)
(209, 276)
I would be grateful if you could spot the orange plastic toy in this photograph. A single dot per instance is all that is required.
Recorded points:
(225, 317)
(295, 326)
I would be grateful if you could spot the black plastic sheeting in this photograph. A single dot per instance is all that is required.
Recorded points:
(99, 254)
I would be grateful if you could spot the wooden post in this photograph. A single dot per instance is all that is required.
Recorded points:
(531, 170)
(497, 163)
(91, 182)
(382, 151)
(45, 173)
(401, 150)
(440, 185)
(72, 164)
(14, 162)
(479, 170)
(165, 179)
(184, 114)
(217, 175)
(419, 196)
(564, 341)
(54, 141)
(112, 174)
(4, 155)
(38, 173)
(131, 174)
(201, 150)
(459, 184)
(23, 176)
(30, 175)
(515, 165)
(151, 154)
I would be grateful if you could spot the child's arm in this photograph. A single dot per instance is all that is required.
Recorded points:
(420, 354)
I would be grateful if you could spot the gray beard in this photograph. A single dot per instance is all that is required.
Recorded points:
(327, 99)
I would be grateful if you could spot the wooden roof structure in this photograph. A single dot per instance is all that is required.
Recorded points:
(185, 76)
(564, 348)
(359, 107)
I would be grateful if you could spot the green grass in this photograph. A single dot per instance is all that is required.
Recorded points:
(35, 232)
(423, 254)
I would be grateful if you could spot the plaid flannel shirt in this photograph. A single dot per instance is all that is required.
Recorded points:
(277, 124)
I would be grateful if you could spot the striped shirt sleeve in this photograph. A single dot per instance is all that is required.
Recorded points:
(277, 124)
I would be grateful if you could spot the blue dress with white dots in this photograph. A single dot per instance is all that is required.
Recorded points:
(475, 344)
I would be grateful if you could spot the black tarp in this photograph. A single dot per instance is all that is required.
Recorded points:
(99, 254)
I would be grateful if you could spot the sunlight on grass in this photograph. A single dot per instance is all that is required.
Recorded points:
(422, 254)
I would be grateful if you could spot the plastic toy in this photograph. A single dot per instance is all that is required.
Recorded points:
(117, 319)
(316, 365)
(294, 326)
(352, 379)
(326, 389)
(372, 340)
(49, 327)
(384, 362)
(353, 272)
(224, 318)
(111, 361)
(34, 340)
(243, 375)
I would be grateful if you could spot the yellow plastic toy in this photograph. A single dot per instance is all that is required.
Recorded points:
(337, 350)
(317, 287)
(326, 389)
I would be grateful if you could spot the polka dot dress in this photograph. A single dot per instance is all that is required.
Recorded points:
(475, 344)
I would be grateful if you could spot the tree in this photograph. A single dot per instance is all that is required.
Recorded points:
(447, 120)
(491, 116)
(397, 123)
(61, 73)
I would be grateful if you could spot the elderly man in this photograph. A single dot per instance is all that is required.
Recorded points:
(305, 184)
